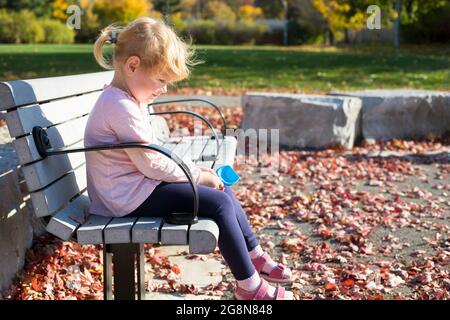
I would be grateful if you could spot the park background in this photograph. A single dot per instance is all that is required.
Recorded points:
(305, 45)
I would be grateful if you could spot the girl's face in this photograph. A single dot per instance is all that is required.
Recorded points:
(144, 87)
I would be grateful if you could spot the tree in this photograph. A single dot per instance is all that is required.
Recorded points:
(167, 7)
(90, 24)
(39, 7)
(271, 8)
(187, 8)
(20, 27)
(413, 9)
(120, 11)
(304, 11)
(406, 12)
(218, 10)
(249, 12)
(59, 9)
(431, 25)
(235, 5)
(336, 14)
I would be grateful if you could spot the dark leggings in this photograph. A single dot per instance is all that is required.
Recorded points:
(236, 238)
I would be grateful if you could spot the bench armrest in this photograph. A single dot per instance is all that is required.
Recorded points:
(195, 114)
(45, 149)
(224, 131)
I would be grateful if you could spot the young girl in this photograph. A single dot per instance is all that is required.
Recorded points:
(147, 57)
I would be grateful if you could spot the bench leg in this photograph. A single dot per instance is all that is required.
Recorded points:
(127, 258)
(141, 271)
(107, 272)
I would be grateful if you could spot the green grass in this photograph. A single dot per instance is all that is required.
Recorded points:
(264, 67)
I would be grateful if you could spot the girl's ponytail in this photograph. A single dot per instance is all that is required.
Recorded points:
(109, 34)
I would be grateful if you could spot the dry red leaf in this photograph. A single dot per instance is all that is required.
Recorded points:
(348, 283)
(176, 269)
(330, 286)
(36, 285)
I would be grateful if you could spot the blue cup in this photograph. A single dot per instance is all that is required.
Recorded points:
(227, 174)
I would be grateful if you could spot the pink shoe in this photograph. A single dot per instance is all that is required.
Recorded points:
(260, 293)
(277, 275)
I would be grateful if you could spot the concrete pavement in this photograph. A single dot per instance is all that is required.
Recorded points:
(196, 272)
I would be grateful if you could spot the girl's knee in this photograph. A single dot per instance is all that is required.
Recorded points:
(224, 200)
(223, 204)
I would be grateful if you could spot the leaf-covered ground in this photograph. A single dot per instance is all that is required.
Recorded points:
(368, 223)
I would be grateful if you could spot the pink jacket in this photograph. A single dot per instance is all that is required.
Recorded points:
(118, 181)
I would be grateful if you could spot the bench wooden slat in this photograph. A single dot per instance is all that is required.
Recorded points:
(91, 232)
(119, 230)
(173, 140)
(197, 148)
(210, 150)
(205, 164)
(64, 223)
(224, 157)
(42, 173)
(55, 196)
(60, 136)
(24, 92)
(169, 145)
(203, 236)
(160, 126)
(182, 147)
(174, 234)
(192, 137)
(22, 120)
(146, 230)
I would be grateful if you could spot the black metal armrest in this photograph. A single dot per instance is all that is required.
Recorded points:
(45, 149)
(224, 131)
(195, 114)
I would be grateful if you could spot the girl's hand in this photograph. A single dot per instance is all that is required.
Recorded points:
(210, 179)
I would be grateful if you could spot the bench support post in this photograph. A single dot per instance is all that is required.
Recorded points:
(140, 259)
(127, 258)
(107, 272)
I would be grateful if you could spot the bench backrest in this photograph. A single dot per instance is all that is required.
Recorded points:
(61, 105)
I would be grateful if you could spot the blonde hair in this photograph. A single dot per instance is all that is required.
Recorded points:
(157, 45)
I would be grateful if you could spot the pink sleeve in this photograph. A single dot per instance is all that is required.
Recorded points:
(130, 124)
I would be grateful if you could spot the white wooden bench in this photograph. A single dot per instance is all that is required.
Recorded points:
(58, 108)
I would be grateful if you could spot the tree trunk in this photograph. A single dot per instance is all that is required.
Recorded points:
(330, 37)
(397, 25)
(346, 37)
